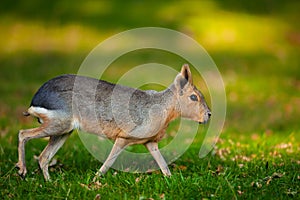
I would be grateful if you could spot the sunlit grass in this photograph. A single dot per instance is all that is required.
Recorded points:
(25, 36)
(243, 33)
(217, 30)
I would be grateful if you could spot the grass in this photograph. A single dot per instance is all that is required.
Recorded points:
(236, 169)
(257, 155)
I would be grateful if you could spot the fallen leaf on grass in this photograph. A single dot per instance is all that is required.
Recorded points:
(268, 179)
(255, 136)
(268, 132)
(85, 186)
(241, 165)
(97, 197)
(277, 175)
(222, 153)
(275, 154)
(256, 184)
(4, 132)
(93, 186)
(219, 170)
(291, 193)
(241, 158)
(162, 196)
(137, 179)
(152, 171)
(182, 167)
(179, 167)
(284, 146)
(240, 192)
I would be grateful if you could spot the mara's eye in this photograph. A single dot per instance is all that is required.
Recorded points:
(194, 97)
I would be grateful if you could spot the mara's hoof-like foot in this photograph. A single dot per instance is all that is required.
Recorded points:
(22, 169)
(98, 176)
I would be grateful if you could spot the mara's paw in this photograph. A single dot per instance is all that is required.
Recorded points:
(98, 176)
(22, 169)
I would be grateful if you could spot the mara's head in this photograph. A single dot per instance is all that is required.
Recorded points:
(190, 100)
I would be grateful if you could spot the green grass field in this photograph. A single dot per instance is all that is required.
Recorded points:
(256, 46)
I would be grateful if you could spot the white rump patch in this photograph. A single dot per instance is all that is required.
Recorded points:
(75, 124)
(39, 110)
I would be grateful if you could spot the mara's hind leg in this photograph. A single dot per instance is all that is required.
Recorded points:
(54, 124)
(24, 136)
(55, 143)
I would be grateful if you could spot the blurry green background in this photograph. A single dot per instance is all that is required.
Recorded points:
(255, 45)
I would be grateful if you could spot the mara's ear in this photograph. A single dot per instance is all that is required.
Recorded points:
(183, 78)
(186, 73)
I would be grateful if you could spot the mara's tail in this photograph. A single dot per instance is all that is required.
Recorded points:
(26, 114)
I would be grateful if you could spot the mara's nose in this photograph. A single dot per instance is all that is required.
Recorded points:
(209, 114)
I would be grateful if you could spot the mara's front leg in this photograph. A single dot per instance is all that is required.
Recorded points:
(118, 147)
(153, 148)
